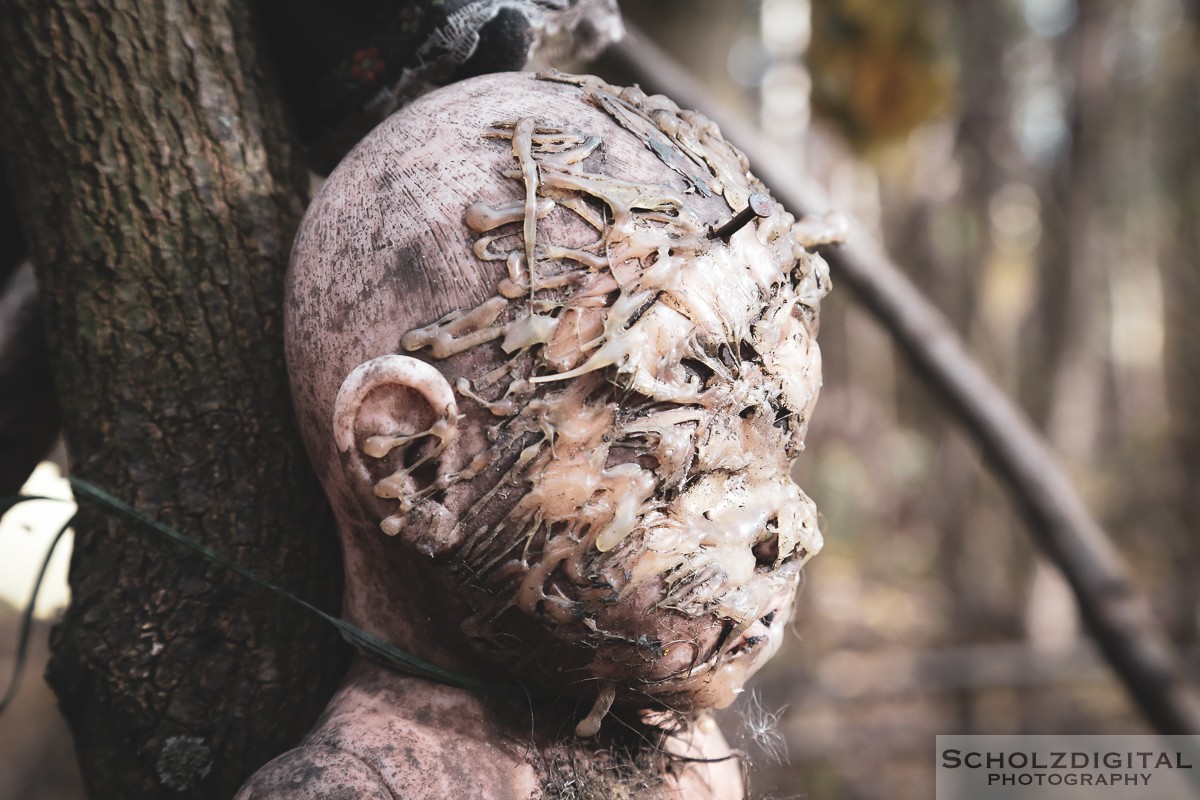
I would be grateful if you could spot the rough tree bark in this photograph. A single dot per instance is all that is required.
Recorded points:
(159, 192)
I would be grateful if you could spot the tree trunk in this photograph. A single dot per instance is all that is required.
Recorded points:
(159, 194)
(1178, 116)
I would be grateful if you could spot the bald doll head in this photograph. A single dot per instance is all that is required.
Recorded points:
(555, 413)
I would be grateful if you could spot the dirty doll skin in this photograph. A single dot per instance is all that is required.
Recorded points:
(554, 399)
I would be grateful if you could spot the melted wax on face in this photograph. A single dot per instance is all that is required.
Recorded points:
(669, 386)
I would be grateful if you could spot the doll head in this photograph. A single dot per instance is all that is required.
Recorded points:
(556, 414)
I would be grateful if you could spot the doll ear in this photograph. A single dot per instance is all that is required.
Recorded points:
(392, 420)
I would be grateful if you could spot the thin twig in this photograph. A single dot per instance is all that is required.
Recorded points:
(1117, 615)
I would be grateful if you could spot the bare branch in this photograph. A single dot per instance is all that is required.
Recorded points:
(1116, 614)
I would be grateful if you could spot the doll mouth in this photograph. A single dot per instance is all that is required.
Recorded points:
(766, 629)
(756, 634)
(717, 680)
(747, 643)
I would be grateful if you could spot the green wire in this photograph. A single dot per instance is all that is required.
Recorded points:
(368, 644)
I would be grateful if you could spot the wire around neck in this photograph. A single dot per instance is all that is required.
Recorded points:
(366, 643)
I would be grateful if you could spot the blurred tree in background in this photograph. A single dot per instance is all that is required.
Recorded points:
(1034, 165)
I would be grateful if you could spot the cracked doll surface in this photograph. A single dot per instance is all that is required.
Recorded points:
(602, 483)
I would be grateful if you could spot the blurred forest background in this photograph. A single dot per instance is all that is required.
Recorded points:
(1035, 166)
